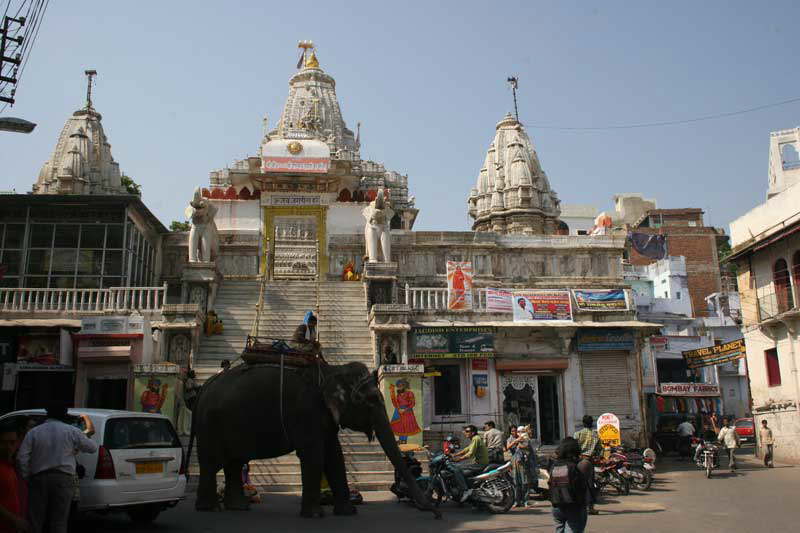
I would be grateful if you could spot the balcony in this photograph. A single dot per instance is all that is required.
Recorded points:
(435, 299)
(77, 301)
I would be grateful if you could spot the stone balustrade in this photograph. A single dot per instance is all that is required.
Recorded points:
(53, 300)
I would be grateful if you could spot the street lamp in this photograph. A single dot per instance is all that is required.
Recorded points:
(16, 125)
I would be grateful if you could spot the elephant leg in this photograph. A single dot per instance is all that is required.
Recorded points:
(235, 500)
(336, 473)
(312, 461)
(207, 488)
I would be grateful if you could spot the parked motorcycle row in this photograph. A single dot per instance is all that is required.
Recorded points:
(493, 489)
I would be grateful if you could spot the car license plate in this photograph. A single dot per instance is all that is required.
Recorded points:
(149, 468)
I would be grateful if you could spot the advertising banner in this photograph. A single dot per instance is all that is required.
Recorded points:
(600, 299)
(40, 349)
(608, 429)
(155, 392)
(498, 301)
(537, 304)
(715, 355)
(453, 342)
(403, 396)
(459, 285)
(688, 389)
(605, 340)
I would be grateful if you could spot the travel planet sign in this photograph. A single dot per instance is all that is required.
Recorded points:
(608, 429)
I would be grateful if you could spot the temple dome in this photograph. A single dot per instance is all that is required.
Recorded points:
(512, 193)
(81, 162)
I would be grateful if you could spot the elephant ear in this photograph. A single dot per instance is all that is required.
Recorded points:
(335, 396)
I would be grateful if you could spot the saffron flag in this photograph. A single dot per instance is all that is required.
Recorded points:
(459, 285)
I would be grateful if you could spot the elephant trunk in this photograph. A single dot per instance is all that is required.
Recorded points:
(385, 435)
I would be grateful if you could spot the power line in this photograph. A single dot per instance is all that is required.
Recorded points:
(667, 122)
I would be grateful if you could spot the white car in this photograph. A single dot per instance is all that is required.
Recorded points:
(139, 467)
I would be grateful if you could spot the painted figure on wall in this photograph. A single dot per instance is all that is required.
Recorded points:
(154, 396)
(404, 422)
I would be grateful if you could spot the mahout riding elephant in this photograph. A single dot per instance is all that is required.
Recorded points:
(241, 415)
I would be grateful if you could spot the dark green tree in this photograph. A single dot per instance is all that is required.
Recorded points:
(177, 225)
(131, 186)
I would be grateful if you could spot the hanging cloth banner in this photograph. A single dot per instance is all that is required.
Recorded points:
(539, 304)
(600, 299)
(652, 246)
(459, 285)
(498, 301)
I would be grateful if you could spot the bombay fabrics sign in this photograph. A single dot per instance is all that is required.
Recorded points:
(459, 285)
(715, 355)
(688, 389)
(604, 340)
(453, 342)
(536, 304)
(600, 299)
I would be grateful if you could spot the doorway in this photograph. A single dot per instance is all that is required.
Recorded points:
(534, 400)
(295, 254)
(111, 393)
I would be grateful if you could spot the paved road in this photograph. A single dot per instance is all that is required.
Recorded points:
(682, 499)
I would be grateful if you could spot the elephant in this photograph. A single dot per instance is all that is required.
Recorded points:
(240, 416)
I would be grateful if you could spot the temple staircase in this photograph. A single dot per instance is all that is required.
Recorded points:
(345, 337)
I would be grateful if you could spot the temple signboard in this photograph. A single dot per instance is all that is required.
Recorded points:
(301, 156)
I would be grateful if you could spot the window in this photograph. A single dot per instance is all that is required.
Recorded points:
(783, 286)
(789, 156)
(133, 433)
(678, 295)
(796, 269)
(773, 367)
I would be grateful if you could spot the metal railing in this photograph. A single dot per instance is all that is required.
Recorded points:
(112, 299)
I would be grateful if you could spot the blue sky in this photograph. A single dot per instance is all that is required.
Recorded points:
(183, 86)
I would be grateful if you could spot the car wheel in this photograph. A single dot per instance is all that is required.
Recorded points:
(144, 514)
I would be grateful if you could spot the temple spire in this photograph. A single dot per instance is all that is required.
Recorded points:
(90, 74)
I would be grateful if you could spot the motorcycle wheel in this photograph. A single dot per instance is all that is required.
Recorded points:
(505, 505)
(642, 479)
(708, 471)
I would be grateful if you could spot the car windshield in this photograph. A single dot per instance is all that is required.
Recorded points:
(744, 424)
(136, 433)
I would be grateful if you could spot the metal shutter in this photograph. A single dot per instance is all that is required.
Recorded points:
(606, 384)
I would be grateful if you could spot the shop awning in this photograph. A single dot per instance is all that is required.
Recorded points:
(104, 352)
(554, 363)
(40, 323)
(634, 324)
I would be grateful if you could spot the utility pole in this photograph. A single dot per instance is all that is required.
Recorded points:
(5, 39)
(513, 81)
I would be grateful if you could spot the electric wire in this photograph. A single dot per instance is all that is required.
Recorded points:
(668, 122)
(34, 17)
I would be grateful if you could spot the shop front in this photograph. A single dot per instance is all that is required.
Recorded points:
(531, 394)
(674, 403)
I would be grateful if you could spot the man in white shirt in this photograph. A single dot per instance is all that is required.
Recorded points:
(46, 459)
(685, 433)
(729, 438)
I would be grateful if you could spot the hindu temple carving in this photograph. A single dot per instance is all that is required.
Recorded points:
(203, 235)
(378, 214)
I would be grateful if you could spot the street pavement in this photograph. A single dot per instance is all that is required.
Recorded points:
(682, 499)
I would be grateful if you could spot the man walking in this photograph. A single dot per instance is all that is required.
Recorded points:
(47, 460)
(729, 438)
(767, 442)
(589, 443)
(493, 438)
(568, 489)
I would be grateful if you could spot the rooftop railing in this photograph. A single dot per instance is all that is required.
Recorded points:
(112, 299)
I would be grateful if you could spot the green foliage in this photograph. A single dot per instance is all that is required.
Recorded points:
(177, 225)
(131, 186)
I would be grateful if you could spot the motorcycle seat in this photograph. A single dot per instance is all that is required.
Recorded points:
(490, 467)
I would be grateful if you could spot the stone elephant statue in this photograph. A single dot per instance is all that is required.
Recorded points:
(238, 418)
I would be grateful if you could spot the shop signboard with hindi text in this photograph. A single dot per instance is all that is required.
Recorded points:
(539, 304)
(468, 342)
(605, 340)
(715, 355)
(608, 429)
(600, 299)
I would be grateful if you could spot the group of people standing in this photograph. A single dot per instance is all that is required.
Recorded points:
(38, 471)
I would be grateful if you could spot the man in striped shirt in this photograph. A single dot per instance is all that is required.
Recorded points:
(589, 441)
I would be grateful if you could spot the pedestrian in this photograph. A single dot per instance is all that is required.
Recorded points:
(767, 442)
(190, 389)
(590, 448)
(730, 439)
(511, 441)
(568, 489)
(493, 438)
(519, 467)
(685, 433)
(12, 510)
(47, 460)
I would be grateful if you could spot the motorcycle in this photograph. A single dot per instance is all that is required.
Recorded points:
(632, 466)
(610, 474)
(492, 489)
(709, 457)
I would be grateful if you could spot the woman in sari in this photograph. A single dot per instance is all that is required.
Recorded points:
(519, 467)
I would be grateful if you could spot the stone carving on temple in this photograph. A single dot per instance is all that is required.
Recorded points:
(378, 214)
(203, 235)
